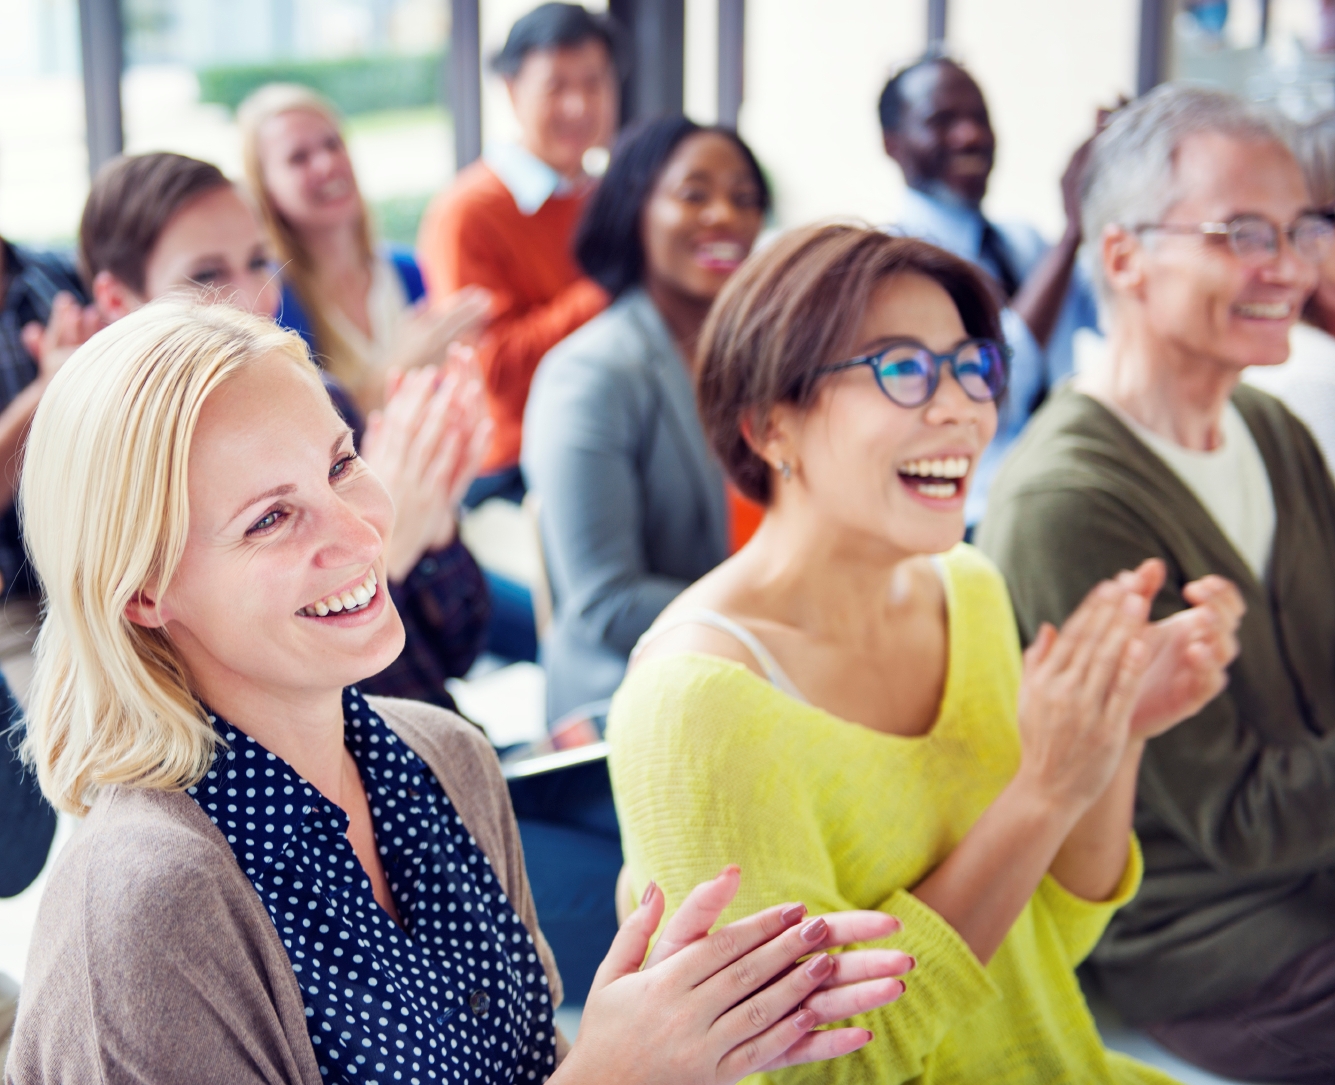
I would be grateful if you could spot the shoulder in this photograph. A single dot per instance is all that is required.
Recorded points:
(473, 202)
(609, 357)
(973, 582)
(57, 267)
(142, 860)
(434, 731)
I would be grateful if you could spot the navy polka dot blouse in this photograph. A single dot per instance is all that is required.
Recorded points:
(461, 995)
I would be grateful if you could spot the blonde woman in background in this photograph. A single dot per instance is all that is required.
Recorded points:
(1306, 382)
(278, 879)
(355, 303)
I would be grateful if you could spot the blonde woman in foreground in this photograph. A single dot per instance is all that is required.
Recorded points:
(854, 675)
(278, 879)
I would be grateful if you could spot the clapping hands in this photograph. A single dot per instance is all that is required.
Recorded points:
(709, 1009)
(426, 446)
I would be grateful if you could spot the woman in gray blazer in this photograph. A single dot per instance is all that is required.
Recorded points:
(632, 503)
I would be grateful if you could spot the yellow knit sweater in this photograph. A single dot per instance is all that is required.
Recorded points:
(713, 765)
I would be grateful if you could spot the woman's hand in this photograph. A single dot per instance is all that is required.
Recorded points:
(1077, 695)
(710, 1009)
(426, 335)
(69, 326)
(426, 446)
(1189, 652)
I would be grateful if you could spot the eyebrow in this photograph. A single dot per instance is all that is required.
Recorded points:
(288, 487)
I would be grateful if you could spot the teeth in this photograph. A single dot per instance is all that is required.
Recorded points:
(1275, 311)
(352, 599)
(941, 490)
(723, 250)
(949, 467)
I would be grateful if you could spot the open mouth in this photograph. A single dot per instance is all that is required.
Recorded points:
(1259, 310)
(970, 163)
(720, 255)
(333, 190)
(939, 479)
(344, 602)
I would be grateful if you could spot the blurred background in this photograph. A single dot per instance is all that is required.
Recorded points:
(167, 75)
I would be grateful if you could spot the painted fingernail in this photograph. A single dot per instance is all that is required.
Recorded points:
(815, 931)
(805, 1021)
(648, 893)
(913, 963)
(793, 914)
(819, 965)
(902, 988)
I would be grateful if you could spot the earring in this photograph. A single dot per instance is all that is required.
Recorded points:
(786, 470)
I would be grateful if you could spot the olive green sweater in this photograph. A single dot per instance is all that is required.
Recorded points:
(1236, 806)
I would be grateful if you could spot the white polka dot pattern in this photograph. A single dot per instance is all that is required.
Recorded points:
(462, 996)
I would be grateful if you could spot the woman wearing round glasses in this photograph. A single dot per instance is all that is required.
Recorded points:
(843, 705)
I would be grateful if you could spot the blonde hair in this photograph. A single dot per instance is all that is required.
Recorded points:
(273, 100)
(104, 506)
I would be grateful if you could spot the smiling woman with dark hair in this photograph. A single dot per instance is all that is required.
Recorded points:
(633, 504)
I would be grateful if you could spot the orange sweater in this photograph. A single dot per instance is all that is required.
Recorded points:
(474, 234)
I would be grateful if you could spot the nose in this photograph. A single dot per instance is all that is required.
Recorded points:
(1286, 267)
(970, 132)
(950, 404)
(350, 538)
(719, 211)
(260, 295)
(574, 104)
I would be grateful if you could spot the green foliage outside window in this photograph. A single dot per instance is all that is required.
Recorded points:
(354, 84)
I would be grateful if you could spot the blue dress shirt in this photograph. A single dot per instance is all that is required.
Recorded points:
(958, 228)
(458, 993)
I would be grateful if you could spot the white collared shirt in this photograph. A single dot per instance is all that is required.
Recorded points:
(530, 180)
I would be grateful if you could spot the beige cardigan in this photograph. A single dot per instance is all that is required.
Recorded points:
(154, 959)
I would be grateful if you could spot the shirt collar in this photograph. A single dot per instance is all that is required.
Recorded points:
(244, 769)
(530, 180)
(954, 226)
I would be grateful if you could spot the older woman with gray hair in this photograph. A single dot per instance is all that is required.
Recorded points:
(1206, 246)
(1306, 382)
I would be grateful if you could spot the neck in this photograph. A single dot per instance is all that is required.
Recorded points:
(569, 174)
(303, 727)
(1170, 390)
(833, 584)
(684, 314)
(943, 193)
(335, 251)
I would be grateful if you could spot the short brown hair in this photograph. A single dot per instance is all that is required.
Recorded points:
(132, 200)
(797, 306)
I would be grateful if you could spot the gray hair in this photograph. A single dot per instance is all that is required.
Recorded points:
(1314, 147)
(1130, 180)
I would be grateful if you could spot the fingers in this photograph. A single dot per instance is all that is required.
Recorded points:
(819, 1046)
(1107, 660)
(1220, 595)
(1041, 648)
(859, 965)
(850, 999)
(33, 337)
(845, 928)
(736, 982)
(1073, 629)
(751, 1021)
(712, 956)
(1146, 579)
(697, 914)
(631, 941)
(1125, 689)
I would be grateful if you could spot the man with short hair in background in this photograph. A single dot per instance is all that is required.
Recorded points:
(1205, 246)
(935, 125)
(507, 223)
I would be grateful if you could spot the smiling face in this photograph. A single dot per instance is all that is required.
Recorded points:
(1196, 297)
(307, 171)
(894, 474)
(285, 521)
(945, 137)
(566, 103)
(702, 218)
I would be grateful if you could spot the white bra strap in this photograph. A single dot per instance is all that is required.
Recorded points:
(712, 618)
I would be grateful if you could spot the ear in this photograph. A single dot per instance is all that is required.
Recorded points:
(775, 439)
(143, 610)
(113, 299)
(1123, 255)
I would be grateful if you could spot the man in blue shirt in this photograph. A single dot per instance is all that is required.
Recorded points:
(935, 125)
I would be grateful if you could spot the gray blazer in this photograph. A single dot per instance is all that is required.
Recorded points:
(633, 507)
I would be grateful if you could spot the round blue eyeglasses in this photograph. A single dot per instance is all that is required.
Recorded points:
(909, 373)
